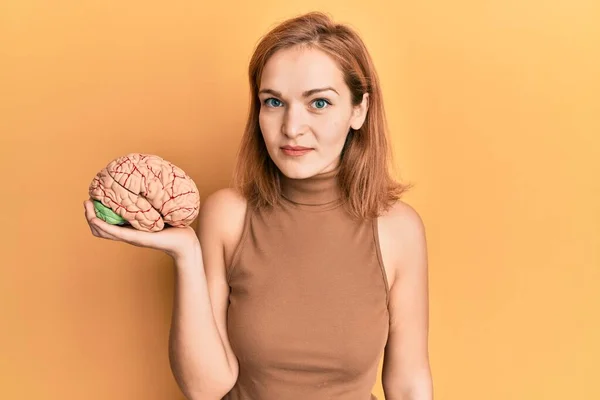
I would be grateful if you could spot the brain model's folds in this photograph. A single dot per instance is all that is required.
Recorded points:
(145, 191)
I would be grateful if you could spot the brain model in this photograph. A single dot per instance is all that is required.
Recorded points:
(146, 192)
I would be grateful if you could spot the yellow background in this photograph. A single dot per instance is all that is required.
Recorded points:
(494, 110)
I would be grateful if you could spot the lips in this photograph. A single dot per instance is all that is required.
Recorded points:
(295, 150)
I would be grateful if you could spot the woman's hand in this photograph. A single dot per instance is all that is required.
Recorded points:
(174, 241)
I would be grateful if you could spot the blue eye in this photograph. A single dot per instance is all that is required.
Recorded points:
(271, 98)
(322, 102)
(273, 102)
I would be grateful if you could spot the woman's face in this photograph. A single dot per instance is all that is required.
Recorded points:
(306, 111)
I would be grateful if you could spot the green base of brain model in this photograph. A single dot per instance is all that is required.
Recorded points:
(146, 192)
(108, 215)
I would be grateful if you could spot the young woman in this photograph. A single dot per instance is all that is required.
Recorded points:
(310, 268)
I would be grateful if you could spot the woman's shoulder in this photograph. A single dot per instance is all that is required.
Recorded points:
(401, 215)
(226, 199)
(222, 213)
(225, 208)
(401, 232)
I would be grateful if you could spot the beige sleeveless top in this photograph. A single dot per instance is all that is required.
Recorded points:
(308, 305)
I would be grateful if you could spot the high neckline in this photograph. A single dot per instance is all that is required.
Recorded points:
(318, 190)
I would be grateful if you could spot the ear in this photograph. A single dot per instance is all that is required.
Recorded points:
(359, 113)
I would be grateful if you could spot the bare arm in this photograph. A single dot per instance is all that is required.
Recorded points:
(201, 357)
(406, 371)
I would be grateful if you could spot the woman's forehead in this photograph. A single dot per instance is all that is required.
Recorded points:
(299, 70)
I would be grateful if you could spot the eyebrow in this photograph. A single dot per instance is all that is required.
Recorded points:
(304, 94)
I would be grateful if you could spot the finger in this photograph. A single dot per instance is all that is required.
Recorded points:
(97, 225)
(127, 234)
(115, 232)
(97, 230)
(90, 212)
(89, 216)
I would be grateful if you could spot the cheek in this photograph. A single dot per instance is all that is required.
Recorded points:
(333, 133)
(267, 129)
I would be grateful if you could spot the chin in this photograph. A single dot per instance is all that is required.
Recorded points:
(297, 170)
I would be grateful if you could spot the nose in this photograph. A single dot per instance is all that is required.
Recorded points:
(294, 122)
